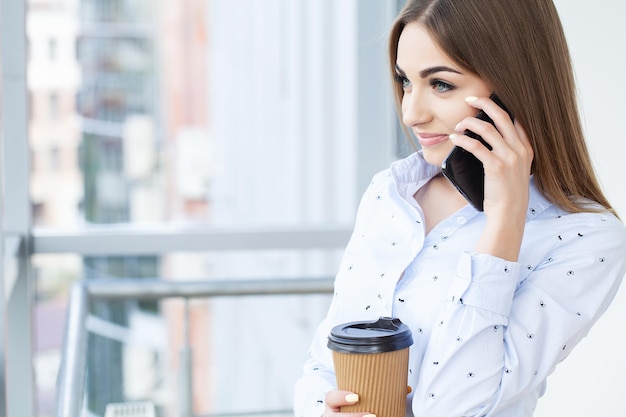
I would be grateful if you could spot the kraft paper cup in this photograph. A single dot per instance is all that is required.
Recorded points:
(371, 359)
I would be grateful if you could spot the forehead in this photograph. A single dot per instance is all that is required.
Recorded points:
(418, 50)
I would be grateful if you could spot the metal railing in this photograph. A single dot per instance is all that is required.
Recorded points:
(71, 385)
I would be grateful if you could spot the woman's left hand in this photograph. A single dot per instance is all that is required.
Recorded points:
(507, 176)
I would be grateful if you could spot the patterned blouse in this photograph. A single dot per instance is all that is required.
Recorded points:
(487, 332)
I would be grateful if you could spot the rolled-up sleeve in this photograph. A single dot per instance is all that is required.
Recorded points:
(492, 289)
(505, 327)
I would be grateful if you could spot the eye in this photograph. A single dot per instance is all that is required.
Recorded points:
(403, 81)
(441, 86)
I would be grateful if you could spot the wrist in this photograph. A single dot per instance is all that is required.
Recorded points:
(501, 238)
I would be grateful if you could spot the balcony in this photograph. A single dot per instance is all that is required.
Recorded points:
(181, 303)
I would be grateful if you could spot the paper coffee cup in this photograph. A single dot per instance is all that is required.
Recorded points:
(371, 359)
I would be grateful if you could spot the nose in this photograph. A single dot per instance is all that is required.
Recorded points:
(414, 109)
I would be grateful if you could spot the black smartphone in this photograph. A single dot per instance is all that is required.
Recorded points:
(464, 170)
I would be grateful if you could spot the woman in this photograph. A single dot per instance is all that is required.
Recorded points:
(494, 299)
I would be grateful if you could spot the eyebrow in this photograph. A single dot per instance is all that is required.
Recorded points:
(430, 71)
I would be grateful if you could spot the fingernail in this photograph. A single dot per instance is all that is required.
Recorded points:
(369, 415)
(471, 98)
(457, 127)
(352, 398)
(453, 136)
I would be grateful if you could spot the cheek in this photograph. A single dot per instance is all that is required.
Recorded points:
(456, 115)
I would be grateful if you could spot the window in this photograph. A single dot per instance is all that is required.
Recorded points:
(188, 117)
(53, 106)
(52, 49)
(54, 158)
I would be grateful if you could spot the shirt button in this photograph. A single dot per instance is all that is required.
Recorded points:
(461, 220)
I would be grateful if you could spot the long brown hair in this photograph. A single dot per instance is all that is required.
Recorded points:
(519, 49)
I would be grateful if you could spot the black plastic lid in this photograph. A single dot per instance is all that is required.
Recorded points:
(387, 334)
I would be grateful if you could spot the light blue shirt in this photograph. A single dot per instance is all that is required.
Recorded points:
(487, 332)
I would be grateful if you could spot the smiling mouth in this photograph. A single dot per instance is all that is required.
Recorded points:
(429, 139)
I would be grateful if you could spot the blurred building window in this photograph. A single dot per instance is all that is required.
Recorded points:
(54, 158)
(52, 49)
(53, 105)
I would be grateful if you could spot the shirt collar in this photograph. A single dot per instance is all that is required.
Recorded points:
(415, 171)
(537, 202)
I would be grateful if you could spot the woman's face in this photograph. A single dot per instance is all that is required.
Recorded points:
(434, 88)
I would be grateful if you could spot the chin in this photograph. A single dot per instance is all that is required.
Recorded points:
(435, 158)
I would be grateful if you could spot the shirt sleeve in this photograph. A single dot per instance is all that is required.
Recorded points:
(318, 375)
(505, 327)
(310, 389)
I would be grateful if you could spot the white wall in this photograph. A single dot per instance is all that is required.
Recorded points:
(590, 382)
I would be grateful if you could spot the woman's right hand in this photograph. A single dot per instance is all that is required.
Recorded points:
(336, 399)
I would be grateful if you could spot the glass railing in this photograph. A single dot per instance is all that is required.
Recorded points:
(209, 337)
(81, 323)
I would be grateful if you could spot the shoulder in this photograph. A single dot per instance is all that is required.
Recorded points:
(554, 236)
(603, 227)
(593, 239)
(591, 223)
(564, 226)
(545, 220)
